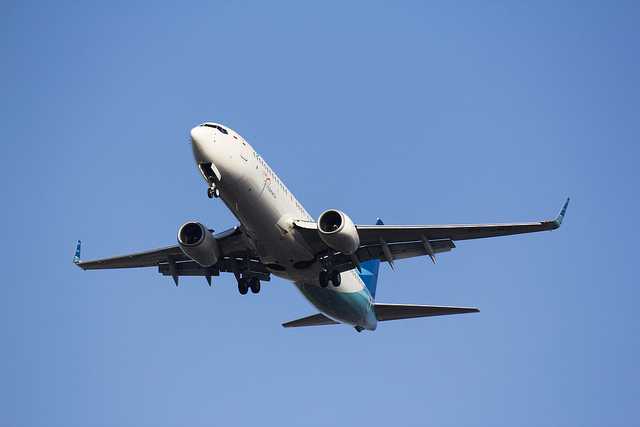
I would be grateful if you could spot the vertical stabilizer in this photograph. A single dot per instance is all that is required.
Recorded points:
(369, 271)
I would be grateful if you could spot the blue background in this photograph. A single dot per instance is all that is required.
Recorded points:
(417, 113)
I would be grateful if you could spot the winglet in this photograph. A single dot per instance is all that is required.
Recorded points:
(558, 221)
(76, 257)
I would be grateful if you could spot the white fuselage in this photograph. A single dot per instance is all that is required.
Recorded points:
(266, 210)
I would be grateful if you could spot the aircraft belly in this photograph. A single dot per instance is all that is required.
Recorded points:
(262, 213)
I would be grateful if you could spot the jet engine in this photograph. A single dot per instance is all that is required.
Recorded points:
(338, 231)
(198, 244)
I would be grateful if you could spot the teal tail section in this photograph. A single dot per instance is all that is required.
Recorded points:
(369, 271)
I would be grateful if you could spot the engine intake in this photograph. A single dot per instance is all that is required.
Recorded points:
(338, 231)
(198, 244)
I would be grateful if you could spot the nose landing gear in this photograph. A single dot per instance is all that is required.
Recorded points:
(213, 191)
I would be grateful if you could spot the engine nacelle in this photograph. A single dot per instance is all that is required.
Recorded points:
(338, 231)
(198, 244)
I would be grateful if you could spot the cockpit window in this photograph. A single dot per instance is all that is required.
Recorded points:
(220, 128)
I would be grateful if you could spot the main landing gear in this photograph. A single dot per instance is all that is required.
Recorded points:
(246, 283)
(332, 276)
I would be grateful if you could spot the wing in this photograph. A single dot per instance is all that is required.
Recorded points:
(141, 259)
(238, 257)
(394, 233)
(390, 242)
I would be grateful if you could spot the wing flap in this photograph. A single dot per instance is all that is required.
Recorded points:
(408, 311)
(251, 268)
(404, 250)
(398, 251)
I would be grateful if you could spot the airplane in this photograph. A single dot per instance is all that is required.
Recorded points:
(332, 261)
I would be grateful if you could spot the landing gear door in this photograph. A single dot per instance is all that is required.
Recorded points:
(210, 172)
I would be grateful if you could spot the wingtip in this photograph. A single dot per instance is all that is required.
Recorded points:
(563, 211)
(76, 257)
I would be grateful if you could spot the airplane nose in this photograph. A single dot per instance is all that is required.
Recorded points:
(200, 143)
(198, 135)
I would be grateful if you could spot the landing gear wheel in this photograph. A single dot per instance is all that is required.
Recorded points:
(324, 278)
(254, 284)
(243, 287)
(213, 192)
(335, 278)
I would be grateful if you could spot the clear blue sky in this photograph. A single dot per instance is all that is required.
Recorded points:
(416, 113)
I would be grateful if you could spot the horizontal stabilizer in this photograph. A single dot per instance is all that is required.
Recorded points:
(315, 320)
(408, 311)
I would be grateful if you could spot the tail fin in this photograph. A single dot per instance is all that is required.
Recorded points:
(369, 271)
